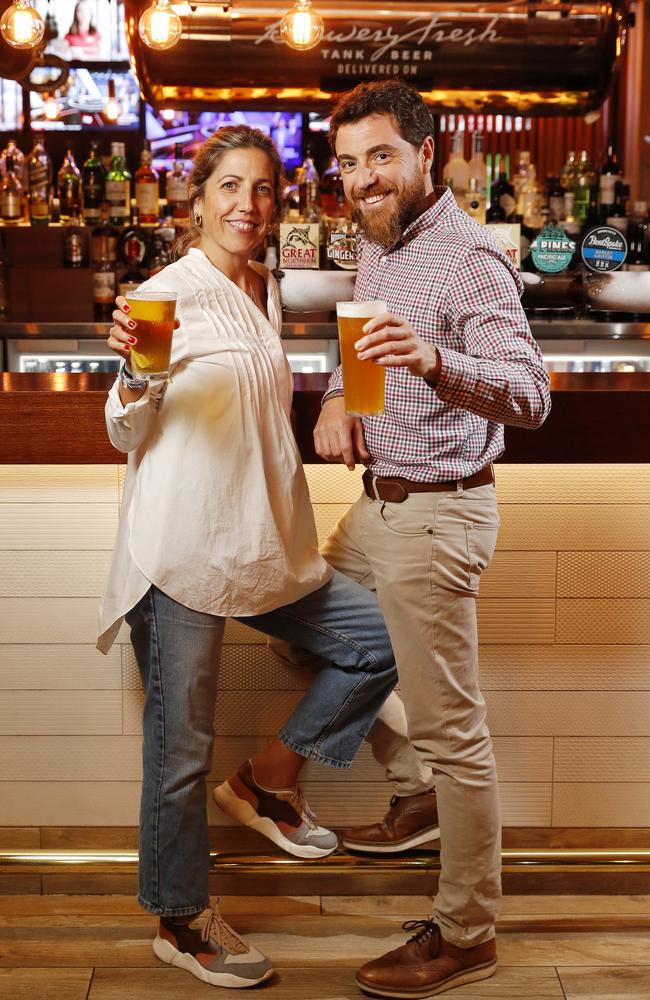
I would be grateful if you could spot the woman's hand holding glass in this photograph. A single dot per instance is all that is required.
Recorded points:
(121, 336)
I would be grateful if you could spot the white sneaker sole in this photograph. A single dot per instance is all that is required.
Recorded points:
(462, 979)
(244, 813)
(404, 845)
(166, 952)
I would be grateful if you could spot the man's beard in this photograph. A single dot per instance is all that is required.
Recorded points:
(385, 227)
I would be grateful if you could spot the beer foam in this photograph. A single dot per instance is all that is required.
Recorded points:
(152, 296)
(360, 310)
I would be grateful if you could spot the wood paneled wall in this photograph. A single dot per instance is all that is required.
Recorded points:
(548, 140)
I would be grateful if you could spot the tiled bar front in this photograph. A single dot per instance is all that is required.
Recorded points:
(564, 617)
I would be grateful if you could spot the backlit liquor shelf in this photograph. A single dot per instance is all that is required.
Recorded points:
(568, 345)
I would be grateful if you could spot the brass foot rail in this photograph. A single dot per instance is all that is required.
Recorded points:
(515, 860)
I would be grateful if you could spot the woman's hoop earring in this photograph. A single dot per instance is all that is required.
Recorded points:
(198, 219)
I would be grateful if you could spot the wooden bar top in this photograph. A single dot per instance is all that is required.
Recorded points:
(59, 419)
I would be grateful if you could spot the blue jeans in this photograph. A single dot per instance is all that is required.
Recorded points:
(177, 650)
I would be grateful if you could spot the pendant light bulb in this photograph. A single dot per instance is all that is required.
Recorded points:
(160, 27)
(112, 108)
(302, 27)
(22, 26)
(50, 107)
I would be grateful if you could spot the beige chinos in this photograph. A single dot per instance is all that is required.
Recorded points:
(424, 557)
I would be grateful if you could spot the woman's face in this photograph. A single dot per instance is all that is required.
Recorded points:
(84, 16)
(238, 202)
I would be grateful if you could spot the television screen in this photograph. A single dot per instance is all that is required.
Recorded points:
(191, 128)
(86, 29)
(81, 101)
(319, 122)
(11, 106)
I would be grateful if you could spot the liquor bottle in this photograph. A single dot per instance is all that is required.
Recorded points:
(617, 217)
(520, 178)
(308, 183)
(555, 198)
(134, 246)
(118, 187)
(178, 190)
(147, 197)
(456, 171)
(104, 238)
(570, 222)
(159, 257)
(583, 182)
(93, 186)
(531, 200)
(477, 176)
(271, 253)
(18, 158)
(638, 258)
(104, 283)
(610, 172)
(502, 193)
(11, 195)
(132, 278)
(332, 195)
(593, 213)
(167, 233)
(69, 188)
(569, 171)
(495, 212)
(39, 176)
(74, 244)
(475, 201)
(4, 283)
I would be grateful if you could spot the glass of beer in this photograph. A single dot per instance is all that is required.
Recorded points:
(154, 312)
(363, 381)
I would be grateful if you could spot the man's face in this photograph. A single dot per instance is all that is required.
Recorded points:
(386, 180)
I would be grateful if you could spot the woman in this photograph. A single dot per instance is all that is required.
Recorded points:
(83, 38)
(216, 522)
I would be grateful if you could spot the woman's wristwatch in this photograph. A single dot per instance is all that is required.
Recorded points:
(130, 381)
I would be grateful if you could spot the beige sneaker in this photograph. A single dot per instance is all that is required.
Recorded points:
(282, 816)
(211, 950)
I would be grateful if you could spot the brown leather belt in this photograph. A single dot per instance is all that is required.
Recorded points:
(395, 489)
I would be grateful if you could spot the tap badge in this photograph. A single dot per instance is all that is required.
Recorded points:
(552, 249)
(604, 249)
(299, 245)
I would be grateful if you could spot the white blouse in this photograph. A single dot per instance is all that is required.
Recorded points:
(216, 510)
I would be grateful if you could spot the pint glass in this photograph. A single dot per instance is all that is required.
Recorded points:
(363, 381)
(154, 312)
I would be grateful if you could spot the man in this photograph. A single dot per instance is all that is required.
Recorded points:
(460, 362)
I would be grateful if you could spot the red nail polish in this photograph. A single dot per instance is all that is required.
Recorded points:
(126, 308)
(131, 324)
(132, 340)
(127, 347)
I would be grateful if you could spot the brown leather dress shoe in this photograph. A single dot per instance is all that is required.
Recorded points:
(426, 965)
(410, 821)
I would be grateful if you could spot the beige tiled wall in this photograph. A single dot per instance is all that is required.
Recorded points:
(565, 624)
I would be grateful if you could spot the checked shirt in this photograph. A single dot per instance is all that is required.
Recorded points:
(447, 276)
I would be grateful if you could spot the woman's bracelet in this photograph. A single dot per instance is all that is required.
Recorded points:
(129, 381)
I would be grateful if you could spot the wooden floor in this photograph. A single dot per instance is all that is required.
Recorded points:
(99, 947)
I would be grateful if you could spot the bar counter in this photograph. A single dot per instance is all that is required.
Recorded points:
(596, 417)
(563, 613)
